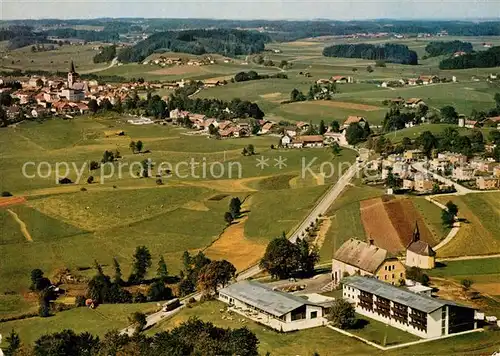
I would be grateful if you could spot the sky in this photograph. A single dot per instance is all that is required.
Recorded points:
(247, 9)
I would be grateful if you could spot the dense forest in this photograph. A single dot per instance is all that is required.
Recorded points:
(482, 59)
(279, 30)
(394, 53)
(225, 42)
(106, 55)
(439, 48)
(85, 35)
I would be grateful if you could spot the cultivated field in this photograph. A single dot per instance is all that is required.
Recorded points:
(479, 233)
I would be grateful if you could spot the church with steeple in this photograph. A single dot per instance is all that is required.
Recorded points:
(419, 253)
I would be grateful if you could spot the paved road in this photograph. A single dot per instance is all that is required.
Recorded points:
(461, 190)
(320, 209)
(465, 258)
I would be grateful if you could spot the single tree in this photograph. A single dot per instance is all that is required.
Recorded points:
(139, 146)
(139, 320)
(93, 106)
(244, 152)
(251, 150)
(308, 256)
(38, 281)
(90, 179)
(369, 69)
(342, 314)
(447, 218)
(452, 208)
(466, 284)
(162, 271)
(322, 127)
(142, 261)
(235, 207)
(335, 126)
(336, 149)
(228, 217)
(214, 274)
(132, 146)
(93, 165)
(281, 258)
(118, 272)
(14, 342)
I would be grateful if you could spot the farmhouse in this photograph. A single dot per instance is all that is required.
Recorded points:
(429, 79)
(470, 124)
(308, 141)
(463, 173)
(338, 137)
(267, 127)
(354, 120)
(414, 102)
(418, 314)
(278, 310)
(285, 141)
(355, 256)
(419, 253)
(340, 79)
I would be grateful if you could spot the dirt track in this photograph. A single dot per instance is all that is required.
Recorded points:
(5, 202)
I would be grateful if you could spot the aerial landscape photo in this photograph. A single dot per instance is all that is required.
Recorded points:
(249, 178)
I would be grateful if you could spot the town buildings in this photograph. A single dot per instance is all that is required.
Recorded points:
(415, 313)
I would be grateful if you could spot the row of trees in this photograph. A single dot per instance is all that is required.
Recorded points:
(394, 53)
(220, 109)
(201, 273)
(253, 75)
(193, 337)
(357, 133)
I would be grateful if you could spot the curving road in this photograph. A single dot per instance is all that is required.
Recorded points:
(319, 209)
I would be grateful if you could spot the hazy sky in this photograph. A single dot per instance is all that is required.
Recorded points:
(245, 9)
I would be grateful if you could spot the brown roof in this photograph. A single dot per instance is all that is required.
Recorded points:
(309, 138)
(268, 126)
(421, 248)
(362, 255)
(413, 101)
(494, 119)
(353, 120)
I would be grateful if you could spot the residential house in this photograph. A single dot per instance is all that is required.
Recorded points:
(366, 259)
(471, 124)
(419, 253)
(72, 95)
(423, 183)
(453, 158)
(414, 102)
(281, 311)
(308, 141)
(286, 140)
(212, 83)
(303, 126)
(267, 127)
(290, 131)
(354, 120)
(415, 313)
(323, 81)
(463, 173)
(413, 81)
(414, 155)
(341, 79)
(338, 137)
(429, 79)
(62, 107)
(496, 171)
(487, 183)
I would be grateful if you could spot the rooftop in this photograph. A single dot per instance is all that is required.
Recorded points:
(361, 254)
(398, 295)
(263, 297)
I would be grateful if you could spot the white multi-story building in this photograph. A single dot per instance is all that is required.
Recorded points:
(418, 314)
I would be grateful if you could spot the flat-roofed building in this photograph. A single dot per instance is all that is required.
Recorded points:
(418, 314)
(276, 309)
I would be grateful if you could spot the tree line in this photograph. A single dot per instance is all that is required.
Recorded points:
(439, 48)
(252, 75)
(390, 52)
(193, 337)
(106, 55)
(225, 42)
(482, 59)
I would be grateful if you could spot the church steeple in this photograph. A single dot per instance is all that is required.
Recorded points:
(416, 233)
(72, 68)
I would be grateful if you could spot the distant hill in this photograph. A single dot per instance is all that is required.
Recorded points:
(225, 42)
(394, 53)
